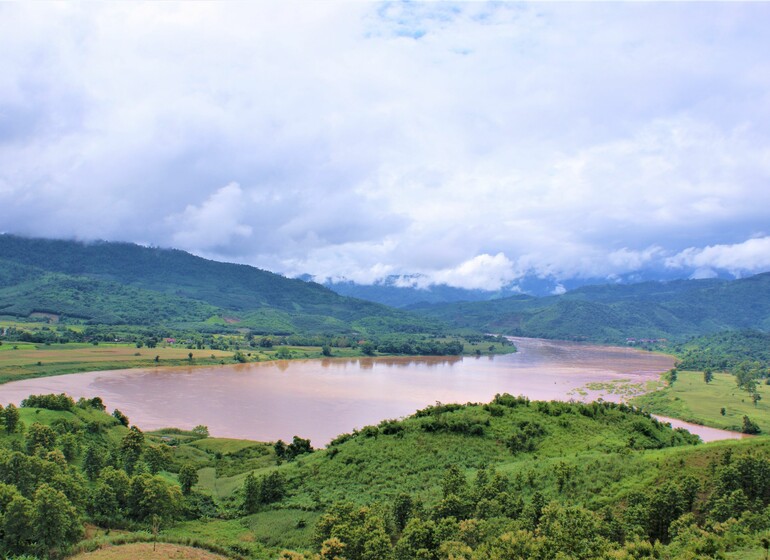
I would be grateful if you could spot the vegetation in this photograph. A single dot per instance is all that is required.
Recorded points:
(643, 312)
(694, 400)
(507, 479)
(125, 284)
(41, 349)
(724, 351)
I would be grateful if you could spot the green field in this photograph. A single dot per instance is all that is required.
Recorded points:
(21, 360)
(693, 400)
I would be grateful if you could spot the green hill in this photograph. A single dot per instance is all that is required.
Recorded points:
(651, 310)
(511, 479)
(118, 283)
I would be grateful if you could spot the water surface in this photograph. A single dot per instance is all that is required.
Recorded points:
(320, 399)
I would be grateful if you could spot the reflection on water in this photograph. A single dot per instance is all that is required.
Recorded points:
(323, 398)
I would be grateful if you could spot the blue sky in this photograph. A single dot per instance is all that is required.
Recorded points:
(473, 143)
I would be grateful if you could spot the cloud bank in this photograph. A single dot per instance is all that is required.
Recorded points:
(472, 143)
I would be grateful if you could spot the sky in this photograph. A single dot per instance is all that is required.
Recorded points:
(473, 144)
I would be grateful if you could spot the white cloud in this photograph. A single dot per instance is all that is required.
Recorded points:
(214, 223)
(751, 256)
(471, 143)
(485, 272)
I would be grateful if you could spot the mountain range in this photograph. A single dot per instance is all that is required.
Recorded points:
(124, 283)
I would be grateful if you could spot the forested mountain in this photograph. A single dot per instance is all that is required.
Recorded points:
(675, 310)
(126, 283)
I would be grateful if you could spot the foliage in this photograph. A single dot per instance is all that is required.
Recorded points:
(122, 283)
(615, 313)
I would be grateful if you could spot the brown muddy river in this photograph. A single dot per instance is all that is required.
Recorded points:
(320, 399)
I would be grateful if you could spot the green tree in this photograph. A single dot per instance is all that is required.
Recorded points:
(298, 446)
(131, 448)
(15, 521)
(151, 495)
(418, 540)
(201, 430)
(188, 477)
(251, 492)
(120, 417)
(93, 461)
(11, 417)
(326, 350)
(571, 531)
(672, 376)
(120, 484)
(746, 374)
(454, 482)
(104, 506)
(402, 510)
(750, 427)
(157, 458)
(55, 522)
(40, 438)
(272, 488)
(708, 375)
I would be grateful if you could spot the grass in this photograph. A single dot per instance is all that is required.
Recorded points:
(693, 400)
(41, 360)
(148, 551)
(24, 360)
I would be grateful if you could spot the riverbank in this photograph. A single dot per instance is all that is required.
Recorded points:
(718, 404)
(26, 360)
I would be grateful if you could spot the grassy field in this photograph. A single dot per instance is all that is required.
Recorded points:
(148, 551)
(694, 400)
(20, 360)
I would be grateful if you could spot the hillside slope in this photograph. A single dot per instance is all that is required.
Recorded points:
(675, 310)
(102, 282)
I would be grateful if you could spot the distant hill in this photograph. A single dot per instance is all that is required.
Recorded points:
(675, 310)
(126, 283)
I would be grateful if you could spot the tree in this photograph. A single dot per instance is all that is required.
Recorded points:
(368, 349)
(188, 477)
(11, 418)
(15, 523)
(454, 482)
(40, 437)
(151, 495)
(708, 375)
(326, 350)
(157, 458)
(746, 374)
(55, 522)
(332, 549)
(750, 427)
(131, 448)
(402, 510)
(201, 430)
(93, 461)
(122, 418)
(280, 450)
(70, 446)
(672, 376)
(298, 446)
(250, 494)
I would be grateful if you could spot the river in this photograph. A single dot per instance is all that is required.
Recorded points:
(320, 399)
